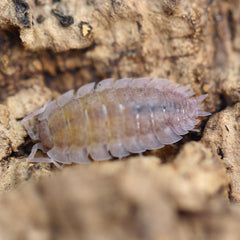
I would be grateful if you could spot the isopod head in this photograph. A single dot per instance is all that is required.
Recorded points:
(45, 136)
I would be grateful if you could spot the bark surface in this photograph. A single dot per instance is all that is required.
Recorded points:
(49, 47)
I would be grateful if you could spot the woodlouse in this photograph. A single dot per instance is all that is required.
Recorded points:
(113, 119)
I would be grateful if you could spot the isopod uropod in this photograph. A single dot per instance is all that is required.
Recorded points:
(113, 120)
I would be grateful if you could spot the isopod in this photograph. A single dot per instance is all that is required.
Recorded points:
(113, 119)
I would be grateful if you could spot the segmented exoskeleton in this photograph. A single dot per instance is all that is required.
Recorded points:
(113, 120)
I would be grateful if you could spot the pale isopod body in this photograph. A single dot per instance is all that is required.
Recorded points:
(113, 120)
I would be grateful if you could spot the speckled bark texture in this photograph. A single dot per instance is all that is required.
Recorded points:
(222, 135)
(134, 199)
(179, 192)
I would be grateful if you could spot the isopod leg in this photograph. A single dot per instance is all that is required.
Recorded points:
(31, 157)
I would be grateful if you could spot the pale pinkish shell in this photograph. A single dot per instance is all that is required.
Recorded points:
(150, 114)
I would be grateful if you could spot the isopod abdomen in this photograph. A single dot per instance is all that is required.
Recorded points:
(113, 119)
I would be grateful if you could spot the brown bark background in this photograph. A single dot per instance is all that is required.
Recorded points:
(189, 191)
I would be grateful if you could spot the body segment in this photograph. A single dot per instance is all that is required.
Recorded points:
(114, 119)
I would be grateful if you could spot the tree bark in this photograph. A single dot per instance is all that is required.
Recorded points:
(49, 47)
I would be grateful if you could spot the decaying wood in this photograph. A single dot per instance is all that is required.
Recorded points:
(48, 47)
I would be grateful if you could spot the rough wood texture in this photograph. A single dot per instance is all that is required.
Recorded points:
(190, 42)
(49, 47)
(222, 135)
(134, 199)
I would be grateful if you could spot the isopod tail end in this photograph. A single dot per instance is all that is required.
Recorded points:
(201, 98)
(200, 112)
(203, 113)
(195, 130)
